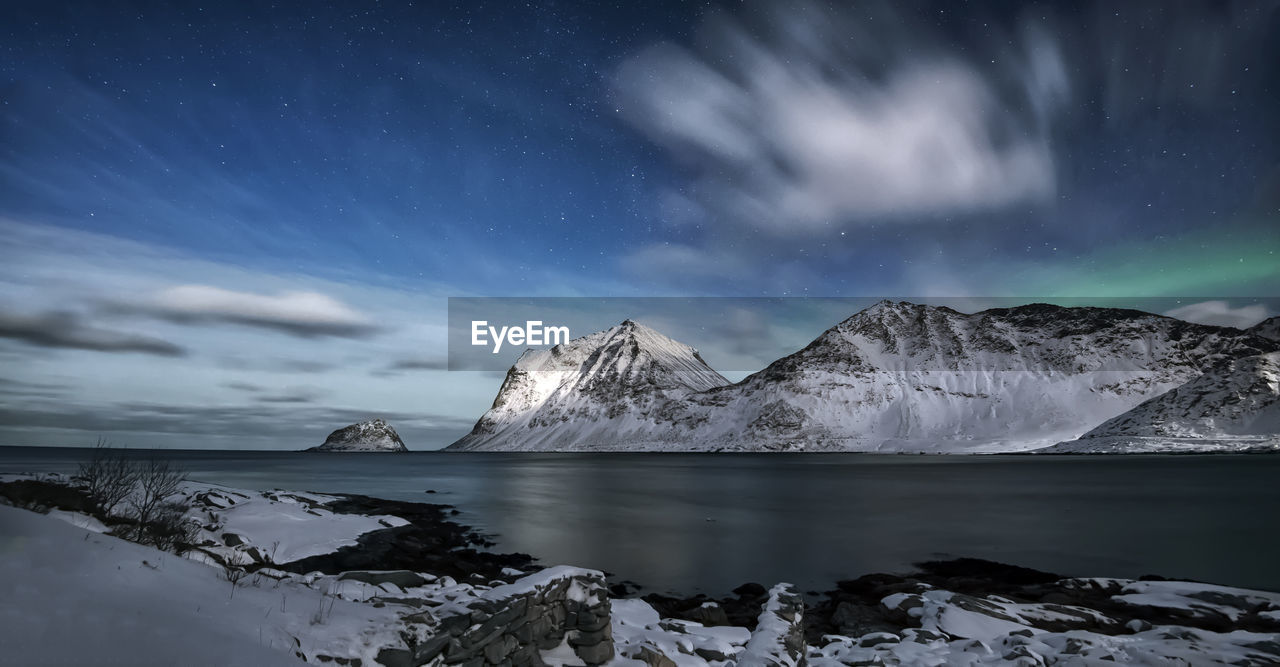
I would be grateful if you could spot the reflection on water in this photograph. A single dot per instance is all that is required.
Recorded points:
(708, 522)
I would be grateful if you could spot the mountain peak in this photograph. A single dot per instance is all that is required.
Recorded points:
(566, 394)
(630, 327)
(888, 307)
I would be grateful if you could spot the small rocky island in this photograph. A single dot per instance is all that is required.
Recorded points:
(375, 435)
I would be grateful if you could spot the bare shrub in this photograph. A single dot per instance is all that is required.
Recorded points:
(169, 529)
(145, 489)
(234, 575)
(108, 477)
(158, 518)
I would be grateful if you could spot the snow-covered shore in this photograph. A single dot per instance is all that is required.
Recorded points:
(229, 600)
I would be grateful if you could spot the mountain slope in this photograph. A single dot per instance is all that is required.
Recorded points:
(368, 436)
(893, 377)
(602, 387)
(1268, 328)
(909, 377)
(1233, 406)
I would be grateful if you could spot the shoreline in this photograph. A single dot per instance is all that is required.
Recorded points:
(416, 568)
(741, 604)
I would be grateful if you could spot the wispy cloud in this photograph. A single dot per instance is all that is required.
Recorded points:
(438, 364)
(816, 120)
(295, 397)
(247, 338)
(64, 329)
(1221, 313)
(298, 313)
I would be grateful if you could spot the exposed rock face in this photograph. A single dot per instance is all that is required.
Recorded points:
(893, 377)
(374, 435)
(512, 624)
(1234, 405)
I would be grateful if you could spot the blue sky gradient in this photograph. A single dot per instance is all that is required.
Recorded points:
(224, 209)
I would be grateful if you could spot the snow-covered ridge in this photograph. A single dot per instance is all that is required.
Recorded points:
(1233, 406)
(894, 377)
(1268, 328)
(374, 435)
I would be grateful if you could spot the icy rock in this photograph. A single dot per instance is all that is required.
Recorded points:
(400, 578)
(374, 435)
(778, 640)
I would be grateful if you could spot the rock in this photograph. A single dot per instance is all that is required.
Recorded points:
(1138, 625)
(856, 620)
(368, 436)
(1023, 657)
(498, 649)
(711, 656)
(779, 635)
(877, 638)
(654, 658)
(709, 614)
(396, 657)
(428, 650)
(595, 654)
(401, 578)
(750, 590)
(34, 494)
(923, 636)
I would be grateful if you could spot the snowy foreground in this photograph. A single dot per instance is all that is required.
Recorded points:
(71, 594)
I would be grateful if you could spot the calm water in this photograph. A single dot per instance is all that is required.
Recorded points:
(697, 522)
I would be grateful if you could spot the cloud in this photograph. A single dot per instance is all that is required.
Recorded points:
(301, 366)
(1220, 313)
(793, 131)
(40, 390)
(420, 365)
(297, 397)
(272, 426)
(299, 313)
(61, 329)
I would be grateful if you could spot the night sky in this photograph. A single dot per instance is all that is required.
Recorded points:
(237, 224)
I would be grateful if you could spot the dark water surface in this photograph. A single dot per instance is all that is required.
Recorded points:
(709, 522)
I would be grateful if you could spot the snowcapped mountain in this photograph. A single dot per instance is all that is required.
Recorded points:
(374, 435)
(610, 385)
(1233, 406)
(893, 377)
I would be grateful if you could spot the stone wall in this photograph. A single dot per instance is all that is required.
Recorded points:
(560, 607)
